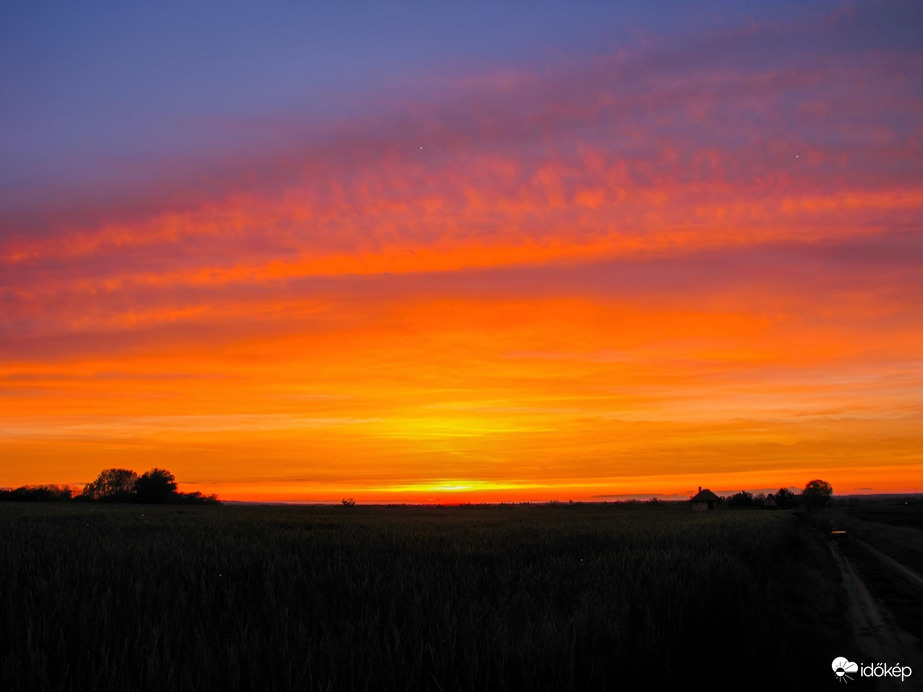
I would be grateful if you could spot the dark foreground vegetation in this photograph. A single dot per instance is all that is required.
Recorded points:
(134, 597)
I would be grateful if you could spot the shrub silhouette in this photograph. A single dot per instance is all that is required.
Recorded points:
(741, 500)
(196, 498)
(37, 493)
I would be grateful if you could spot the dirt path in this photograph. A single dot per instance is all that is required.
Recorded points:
(878, 636)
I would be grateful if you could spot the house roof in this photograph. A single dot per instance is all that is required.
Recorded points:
(705, 496)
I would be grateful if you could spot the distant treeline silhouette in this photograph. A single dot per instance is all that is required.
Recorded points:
(783, 499)
(157, 486)
(816, 493)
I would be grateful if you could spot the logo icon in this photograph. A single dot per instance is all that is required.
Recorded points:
(842, 666)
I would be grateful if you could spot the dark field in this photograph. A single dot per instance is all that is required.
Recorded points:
(893, 513)
(511, 597)
(877, 536)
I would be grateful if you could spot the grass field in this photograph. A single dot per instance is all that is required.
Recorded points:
(569, 597)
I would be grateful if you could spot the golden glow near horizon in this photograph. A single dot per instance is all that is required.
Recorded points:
(635, 291)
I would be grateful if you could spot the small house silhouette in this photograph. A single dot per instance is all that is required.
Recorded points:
(705, 500)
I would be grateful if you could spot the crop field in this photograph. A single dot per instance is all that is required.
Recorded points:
(563, 597)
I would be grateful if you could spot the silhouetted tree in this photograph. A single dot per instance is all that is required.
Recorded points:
(157, 485)
(817, 493)
(741, 500)
(112, 485)
(786, 499)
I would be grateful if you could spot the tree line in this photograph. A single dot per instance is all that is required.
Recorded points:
(816, 494)
(157, 486)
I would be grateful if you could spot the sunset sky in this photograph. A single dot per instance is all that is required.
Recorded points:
(426, 251)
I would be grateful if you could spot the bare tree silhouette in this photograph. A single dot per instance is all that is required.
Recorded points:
(114, 485)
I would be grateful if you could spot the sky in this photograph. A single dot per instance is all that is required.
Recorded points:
(463, 252)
